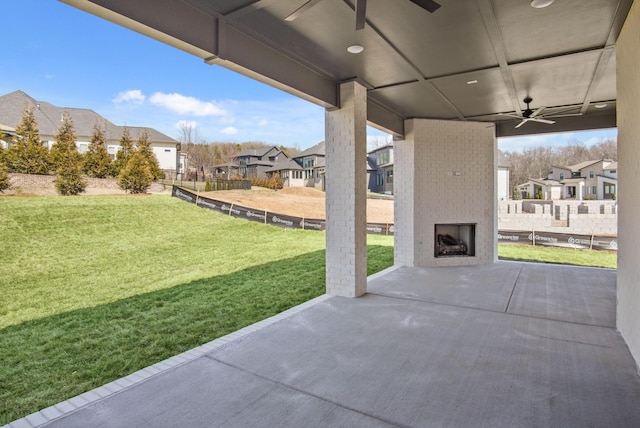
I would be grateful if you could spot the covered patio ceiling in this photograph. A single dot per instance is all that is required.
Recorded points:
(468, 60)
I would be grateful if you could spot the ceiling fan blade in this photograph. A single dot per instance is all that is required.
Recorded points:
(541, 120)
(361, 14)
(522, 123)
(537, 112)
(299, 11)
(429, 5)
(515, 116)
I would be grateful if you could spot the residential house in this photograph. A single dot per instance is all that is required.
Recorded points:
(534, 187)
(253, 163)
(380, 170)
(593, 179)
(306, 169)
(49, 118)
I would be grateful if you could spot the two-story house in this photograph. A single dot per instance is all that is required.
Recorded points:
(306, 169)
(254, 163)
(380, 170)
(593, 179)
(49, 116)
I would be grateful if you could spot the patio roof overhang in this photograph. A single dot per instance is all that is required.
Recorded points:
(469, 60)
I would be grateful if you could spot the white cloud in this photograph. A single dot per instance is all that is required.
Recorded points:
(48, 76)
(263, 122)
(229, 130)
(132, 96)
(182, 104)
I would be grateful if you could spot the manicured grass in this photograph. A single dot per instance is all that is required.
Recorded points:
(566, 256)
(95, 288)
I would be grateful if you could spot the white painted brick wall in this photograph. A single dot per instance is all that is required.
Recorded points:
(346, 199)
(628, 105)
(451, 176)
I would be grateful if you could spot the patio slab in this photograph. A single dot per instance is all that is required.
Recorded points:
(395, 358)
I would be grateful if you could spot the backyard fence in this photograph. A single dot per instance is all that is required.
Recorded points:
(214, 185)
(566, 240)
(595, 242)
(266, 217)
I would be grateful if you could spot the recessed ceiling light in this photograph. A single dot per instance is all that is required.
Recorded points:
(601, 105)
(472, 82)
(538, 4)
(355, 49)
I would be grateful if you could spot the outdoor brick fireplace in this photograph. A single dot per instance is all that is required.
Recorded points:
(455, 239)
(445, 180)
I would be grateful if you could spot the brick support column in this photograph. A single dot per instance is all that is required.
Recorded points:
(346, 199)
(404, 200)
(628, 111)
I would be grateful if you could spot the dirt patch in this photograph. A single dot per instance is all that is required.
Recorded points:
(297, 201)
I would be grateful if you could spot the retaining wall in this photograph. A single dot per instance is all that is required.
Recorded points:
(579, 217)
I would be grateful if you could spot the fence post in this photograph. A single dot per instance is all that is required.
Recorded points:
(533, 237)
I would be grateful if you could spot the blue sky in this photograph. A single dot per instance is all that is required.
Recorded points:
(69, 58)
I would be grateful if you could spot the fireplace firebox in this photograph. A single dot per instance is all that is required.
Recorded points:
(455, 239)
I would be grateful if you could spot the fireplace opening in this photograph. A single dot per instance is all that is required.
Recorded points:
(455, 240)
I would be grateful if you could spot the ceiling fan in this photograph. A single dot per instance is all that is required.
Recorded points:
(529, 115)
(361, 7)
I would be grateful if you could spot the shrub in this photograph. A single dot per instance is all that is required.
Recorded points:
(274, 182)
(4, 177)
(136, 176)
(69, 180)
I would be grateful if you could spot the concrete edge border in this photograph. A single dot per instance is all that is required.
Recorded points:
(44, 416)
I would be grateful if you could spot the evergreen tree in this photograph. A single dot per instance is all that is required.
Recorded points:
(144, 148)
(64, 149)
(125, 152)
(97, 162)
(4, 177)
(66, 160)
(136, 176)
(27, 154)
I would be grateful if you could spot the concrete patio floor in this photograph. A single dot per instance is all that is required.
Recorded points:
(502, 345)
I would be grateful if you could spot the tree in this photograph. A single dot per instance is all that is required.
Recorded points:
(66, 160)
(126, 150)
(4, 177)
(144, 148)
(27, 154)
(136, 176)
(97, 162)
(64, 149)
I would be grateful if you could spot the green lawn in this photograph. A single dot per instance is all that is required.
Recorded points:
(94, 288)
(568, 256)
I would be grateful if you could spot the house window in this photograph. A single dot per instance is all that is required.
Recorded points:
(379, 179)
(382, 158)
(594, 190)
(308, 173)
(82, 148)
(561, 176)
(308, 162)
(390, 176)
(590, 174)
(112, 150)
(613, 171)
(609, 189)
